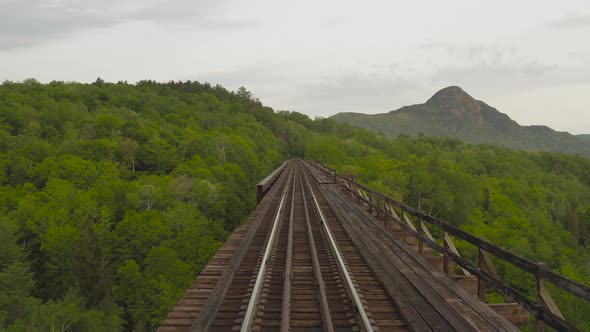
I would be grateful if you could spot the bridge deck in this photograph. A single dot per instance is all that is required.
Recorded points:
(381, 284)
(427, 298)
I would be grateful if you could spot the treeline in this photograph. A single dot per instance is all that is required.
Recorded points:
(113, 196)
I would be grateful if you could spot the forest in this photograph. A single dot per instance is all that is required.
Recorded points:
(113, 196)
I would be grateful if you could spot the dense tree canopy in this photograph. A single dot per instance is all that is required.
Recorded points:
(113, 196)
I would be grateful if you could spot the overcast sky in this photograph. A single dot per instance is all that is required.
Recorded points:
(528, 58)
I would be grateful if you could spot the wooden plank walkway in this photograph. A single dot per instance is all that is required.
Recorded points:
(426, 297)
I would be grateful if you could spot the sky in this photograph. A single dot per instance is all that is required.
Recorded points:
(529, 59)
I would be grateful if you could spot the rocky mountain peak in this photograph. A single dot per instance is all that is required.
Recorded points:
(458, 104)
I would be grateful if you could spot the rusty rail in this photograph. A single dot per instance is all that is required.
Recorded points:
(324, 305)
(543, 308)
(364, 318)
(254, 298)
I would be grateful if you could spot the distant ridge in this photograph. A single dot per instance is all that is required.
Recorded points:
(452, 112)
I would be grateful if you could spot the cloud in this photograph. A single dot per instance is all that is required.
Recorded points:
(249, 74)
(354, 84)
(354, 91)
(579, 21)
(29, 22)
(305, 91)
(383, 91)
(501, 78)
(497, 68)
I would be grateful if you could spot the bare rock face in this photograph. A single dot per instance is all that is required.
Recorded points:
(453, 102)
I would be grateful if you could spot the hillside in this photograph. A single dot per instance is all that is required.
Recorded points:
(451, 112)
(113, 196)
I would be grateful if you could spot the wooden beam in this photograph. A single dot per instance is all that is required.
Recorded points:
(548, 300)
(451, 245)
(543, 297)
(409, 222)
(489, 266)
(481, 282)
(446, 257)
(513, 312)
(426, 231)
(393, 213)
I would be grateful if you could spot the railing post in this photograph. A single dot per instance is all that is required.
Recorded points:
(544, 298)
(392, 217)
(259, 194)
(378, 210)
(481, 283)
(420, 243)
(403, 228)
(446, 258)
(539, 285)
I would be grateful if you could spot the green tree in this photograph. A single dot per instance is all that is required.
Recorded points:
(16, 283)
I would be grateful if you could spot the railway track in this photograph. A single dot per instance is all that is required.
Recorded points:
(311, 259)
(301, 272)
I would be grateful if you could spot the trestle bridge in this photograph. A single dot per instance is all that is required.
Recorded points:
(324, 253)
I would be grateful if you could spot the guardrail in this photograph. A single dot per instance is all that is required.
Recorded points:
(543, 307)
(265, 184)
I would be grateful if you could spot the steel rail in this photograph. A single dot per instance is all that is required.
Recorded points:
(253, 303)
(356, 298)
(286, 305)
(324, 306)
(204, 320)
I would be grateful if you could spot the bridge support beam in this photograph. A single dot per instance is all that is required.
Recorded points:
(481, 283)
(545, 299)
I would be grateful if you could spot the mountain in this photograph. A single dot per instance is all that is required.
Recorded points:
(452, 112)
(584, 136)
